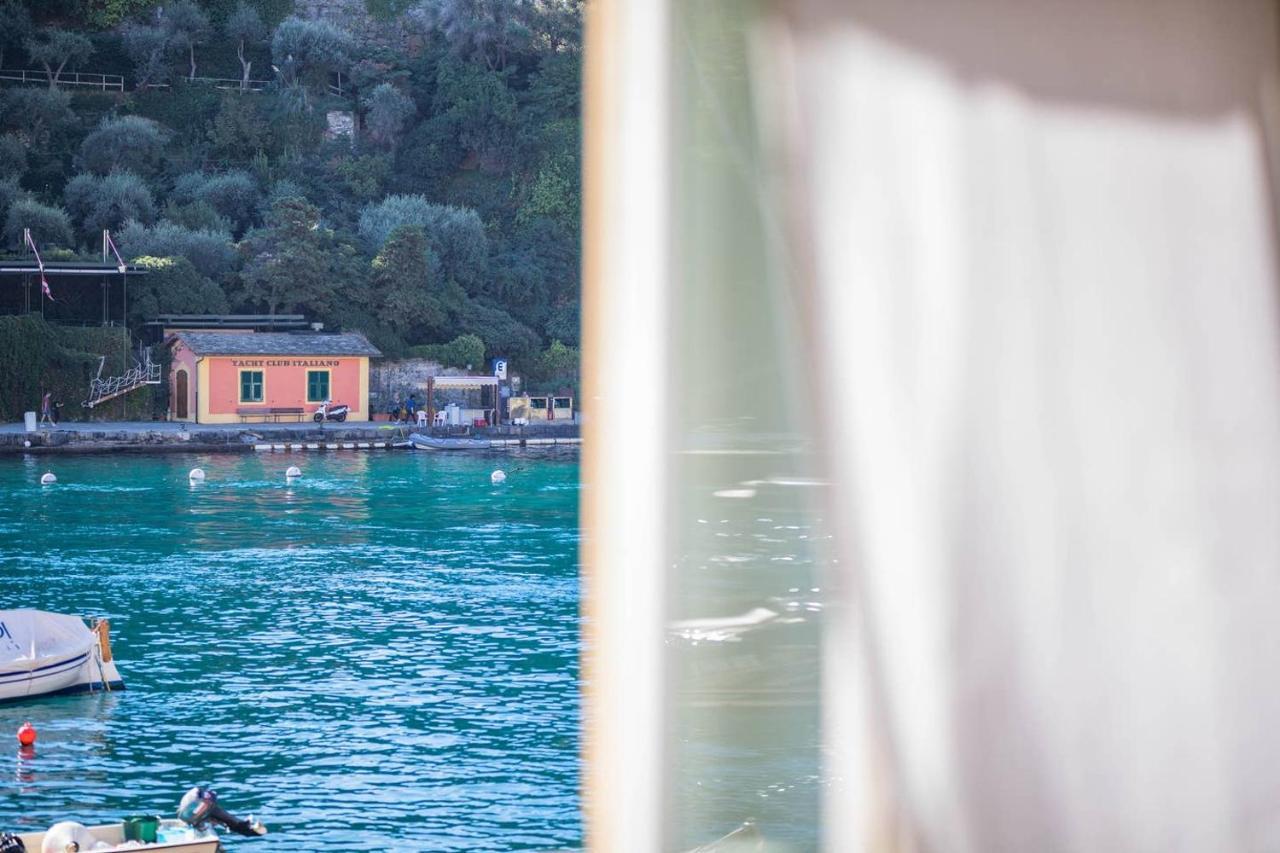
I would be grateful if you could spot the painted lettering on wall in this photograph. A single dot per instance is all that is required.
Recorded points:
(285, 362)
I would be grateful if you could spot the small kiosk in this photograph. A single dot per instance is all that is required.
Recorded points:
(245, 376)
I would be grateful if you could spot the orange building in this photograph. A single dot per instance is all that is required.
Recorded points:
(235, 376)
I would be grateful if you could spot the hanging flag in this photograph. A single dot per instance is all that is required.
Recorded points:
(120, 264)
(44, 283)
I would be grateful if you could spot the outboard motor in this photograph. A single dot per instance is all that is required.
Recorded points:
(199, 806)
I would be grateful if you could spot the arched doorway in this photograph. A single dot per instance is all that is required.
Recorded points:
(180, 396)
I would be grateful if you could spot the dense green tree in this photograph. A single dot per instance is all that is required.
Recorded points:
(286, 262)
(240, 130)
(503, 335)
(195, 216)
(455, 236)
(387, 111)
(465, 351)
(486, 31)
(233, 195)
(187, 26)
(306, 52)
(9, 193)
(15, 28)
(49, 226)
(245, 28)
(131, 143)
(557, 365)
(55, 49)
(172, 285)
(95, 202)
(402, 292)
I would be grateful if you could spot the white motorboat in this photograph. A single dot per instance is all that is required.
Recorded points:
(44, 653)
(112, 835)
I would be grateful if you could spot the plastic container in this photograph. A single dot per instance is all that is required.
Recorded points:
(141, 828)
(30, 420)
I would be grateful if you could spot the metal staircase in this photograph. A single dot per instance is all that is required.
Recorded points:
(144, 372)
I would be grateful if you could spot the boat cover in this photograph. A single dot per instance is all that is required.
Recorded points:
(27, 636)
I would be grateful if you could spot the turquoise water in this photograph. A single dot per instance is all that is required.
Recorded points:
(380, 656)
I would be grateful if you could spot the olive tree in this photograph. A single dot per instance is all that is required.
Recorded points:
(387, 111)
(245, 28)
(186, 26)
(56, 49)
(132, 143)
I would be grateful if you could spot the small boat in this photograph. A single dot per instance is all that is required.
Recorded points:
(44, 654)
(430, 442)
(173, 836)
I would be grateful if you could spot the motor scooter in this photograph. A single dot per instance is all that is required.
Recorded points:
(329, 412)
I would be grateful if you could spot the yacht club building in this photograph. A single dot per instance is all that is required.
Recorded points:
(244, 376)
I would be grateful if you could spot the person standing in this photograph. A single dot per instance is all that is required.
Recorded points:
(46, 409)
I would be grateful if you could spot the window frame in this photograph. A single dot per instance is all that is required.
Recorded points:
(328, 384)
(262, 384)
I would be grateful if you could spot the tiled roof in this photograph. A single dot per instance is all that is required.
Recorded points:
(277, 343)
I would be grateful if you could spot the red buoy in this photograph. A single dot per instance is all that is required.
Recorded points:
(27, 734)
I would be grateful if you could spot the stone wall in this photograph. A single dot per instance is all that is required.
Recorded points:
(396, 380)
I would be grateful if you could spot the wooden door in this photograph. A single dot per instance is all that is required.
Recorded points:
(180, 396)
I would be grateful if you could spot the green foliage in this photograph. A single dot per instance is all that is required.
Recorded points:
(387, 110)
(103, 14)
(455, 236)
(13, 157)
(478, 107)
(402, 291)
(36, 357)
(15, 28)
(306, 52)
(187, 26)
(233, 195)
(555, 367)
(195, 216)
(147, 48)
(211, 253)
(49, 225)
(9, 193)
(173, 286)
(37, 116)
(245, 28)
(286, 264)
(55, 49)
(240, 130)
(388, 10)
(465, 351)
(97, 202)
(124, 142)
(502, 334)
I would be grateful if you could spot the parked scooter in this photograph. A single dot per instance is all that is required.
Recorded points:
(330, 412)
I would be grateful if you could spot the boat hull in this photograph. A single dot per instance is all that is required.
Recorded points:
(113, 833)
(430, 442)
(59, 676)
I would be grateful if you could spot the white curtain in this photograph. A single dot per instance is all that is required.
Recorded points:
(1043, 282)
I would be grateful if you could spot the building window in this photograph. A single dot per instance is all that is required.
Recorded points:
(317, 386)
(251, 386)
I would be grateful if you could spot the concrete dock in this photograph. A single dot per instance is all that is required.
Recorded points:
(160, 437)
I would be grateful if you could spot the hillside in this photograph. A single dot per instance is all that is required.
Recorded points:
(407, 169)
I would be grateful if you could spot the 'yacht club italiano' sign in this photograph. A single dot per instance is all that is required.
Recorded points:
(238, 376)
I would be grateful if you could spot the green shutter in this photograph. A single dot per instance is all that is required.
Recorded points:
(251, 386)
(317, 386)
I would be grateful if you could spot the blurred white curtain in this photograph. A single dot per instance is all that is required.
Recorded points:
(1043, 257)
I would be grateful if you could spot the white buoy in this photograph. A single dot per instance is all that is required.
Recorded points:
(498, 476)
(48, 479)
(196, 475)
(294, 471)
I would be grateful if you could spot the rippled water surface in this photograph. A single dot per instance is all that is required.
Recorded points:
(380, 656)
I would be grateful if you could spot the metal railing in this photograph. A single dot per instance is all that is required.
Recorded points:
(145, 372)
(226, 83)
(105, 82)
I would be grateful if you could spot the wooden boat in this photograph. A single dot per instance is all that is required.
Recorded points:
(196, 841)
(430, 442)
(45, 654)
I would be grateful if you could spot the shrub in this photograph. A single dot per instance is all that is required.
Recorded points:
(387, 110)
(233, 195)
(132, 143)
(173, 286)
(49, 225)
(210, 252)
(96, 203)
(465, 351)
(455, 235)
(13, 157)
